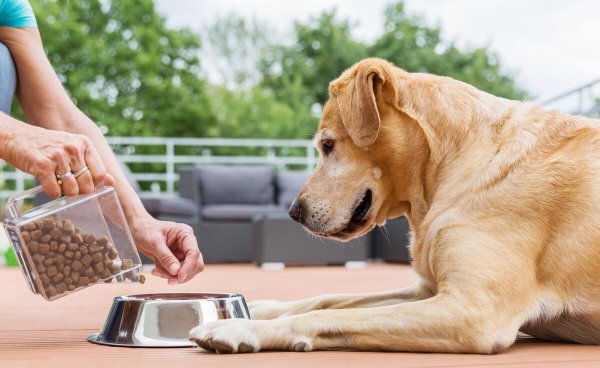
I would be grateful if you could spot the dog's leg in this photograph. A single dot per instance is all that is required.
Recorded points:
(443, 323)
(269, 309)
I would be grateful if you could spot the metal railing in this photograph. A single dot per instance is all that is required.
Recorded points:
(281, 153)
(583, 100)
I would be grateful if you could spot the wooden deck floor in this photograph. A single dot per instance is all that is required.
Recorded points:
(36, 333)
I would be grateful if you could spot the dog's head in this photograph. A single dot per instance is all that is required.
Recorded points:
(351, 189)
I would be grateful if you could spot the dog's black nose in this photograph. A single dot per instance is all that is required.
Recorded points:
(297, 210)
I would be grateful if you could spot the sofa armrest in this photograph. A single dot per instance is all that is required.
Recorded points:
(158, 206)
(189, 186)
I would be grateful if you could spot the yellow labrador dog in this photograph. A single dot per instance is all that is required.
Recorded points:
(504, 201)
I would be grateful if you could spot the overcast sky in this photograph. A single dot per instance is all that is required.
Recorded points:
(552, 45)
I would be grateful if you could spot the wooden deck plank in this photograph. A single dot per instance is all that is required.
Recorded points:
(36, 333)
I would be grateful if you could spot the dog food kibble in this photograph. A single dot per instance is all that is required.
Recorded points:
(51, 271)
(65, 258)
(89, 272)
(40, 268)
(36, 234)
(42, 248)
(83, 281)
(55, 233)
(86, 259)
(127, 263)
(78, 238)
(97, 258)
(48, 224)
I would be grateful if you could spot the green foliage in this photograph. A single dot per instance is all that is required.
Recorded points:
(257, 113)
(125, 68)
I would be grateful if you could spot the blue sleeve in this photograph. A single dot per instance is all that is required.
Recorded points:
(16, 14)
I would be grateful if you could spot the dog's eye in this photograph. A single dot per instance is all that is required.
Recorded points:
(327, 146)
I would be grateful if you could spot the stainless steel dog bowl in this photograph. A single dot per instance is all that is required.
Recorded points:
(164, 320)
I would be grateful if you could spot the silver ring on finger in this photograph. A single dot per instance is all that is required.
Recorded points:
(80, 172)
(61, 178)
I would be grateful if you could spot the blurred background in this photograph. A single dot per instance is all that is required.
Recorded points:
(178, 82)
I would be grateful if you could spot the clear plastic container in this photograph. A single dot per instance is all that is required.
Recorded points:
(71, 243)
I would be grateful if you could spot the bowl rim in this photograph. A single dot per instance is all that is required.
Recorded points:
(179, 297)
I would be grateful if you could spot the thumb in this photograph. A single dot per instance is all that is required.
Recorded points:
(167, 259)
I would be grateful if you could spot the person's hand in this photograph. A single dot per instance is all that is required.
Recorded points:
(172, 246)
(47, 154)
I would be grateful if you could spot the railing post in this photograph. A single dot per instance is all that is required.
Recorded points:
(20, 182)
(170, 166)
(310, 155)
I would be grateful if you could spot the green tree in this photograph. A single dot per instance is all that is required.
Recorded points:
(257, 113)
(125, 68)
(234, 49)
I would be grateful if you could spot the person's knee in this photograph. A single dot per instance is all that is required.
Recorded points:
(8, 79)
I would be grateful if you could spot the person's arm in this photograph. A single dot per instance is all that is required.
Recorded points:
(46, 104)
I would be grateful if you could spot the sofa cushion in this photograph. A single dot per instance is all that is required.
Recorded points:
(288, 186)
(236, 184)
(162, 205)
(237, 211)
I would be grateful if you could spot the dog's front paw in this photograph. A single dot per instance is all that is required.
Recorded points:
(227, 336)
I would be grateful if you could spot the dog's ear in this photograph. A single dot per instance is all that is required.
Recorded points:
(356, 100)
